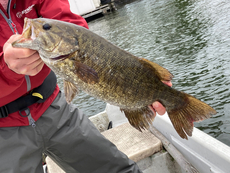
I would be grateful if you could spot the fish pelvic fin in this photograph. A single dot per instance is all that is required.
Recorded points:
(162, 73)
(70, 91)
(86, 73)
(141, 118)
(193, 110)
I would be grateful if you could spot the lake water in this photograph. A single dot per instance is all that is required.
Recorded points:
(191, 38)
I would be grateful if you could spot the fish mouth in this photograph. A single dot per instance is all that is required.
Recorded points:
(34, 37)
(28, 34)
(61, 57)
(28, 31)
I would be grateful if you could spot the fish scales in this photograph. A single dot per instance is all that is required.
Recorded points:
(90, 63)
(121, 71)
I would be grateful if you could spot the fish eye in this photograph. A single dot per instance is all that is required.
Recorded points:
(46, 26)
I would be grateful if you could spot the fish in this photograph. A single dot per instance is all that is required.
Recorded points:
(88, 62)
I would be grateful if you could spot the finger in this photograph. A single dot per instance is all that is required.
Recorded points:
(14, 38)
(27, 66)
(22, 65)
(169, 83)
(32, 59)
(20, 52)
(11, 53)
(37, 69)
(159, 108)
(23, 52)
(37, 65)
(9, 42)
(33, 68)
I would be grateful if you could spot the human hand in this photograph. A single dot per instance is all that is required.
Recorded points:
(157, 106)
(21, 60)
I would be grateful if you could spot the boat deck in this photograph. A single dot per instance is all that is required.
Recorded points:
(134, 144)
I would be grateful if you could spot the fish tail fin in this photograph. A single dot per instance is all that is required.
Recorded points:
(141, 118)
(193, 110)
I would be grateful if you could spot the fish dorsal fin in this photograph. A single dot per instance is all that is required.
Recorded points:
(86, 73)
(162, 73)
(70, 91)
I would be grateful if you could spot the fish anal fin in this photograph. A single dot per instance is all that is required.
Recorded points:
(162, 73)
(141, 118)
(70, 91)
(193, 110)
(86, 73)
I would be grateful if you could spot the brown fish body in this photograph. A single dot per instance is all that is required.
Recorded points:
(92, 64)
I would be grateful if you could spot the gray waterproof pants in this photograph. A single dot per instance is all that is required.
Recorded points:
(66, 135)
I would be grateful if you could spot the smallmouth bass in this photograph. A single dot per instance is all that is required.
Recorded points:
(90, 63)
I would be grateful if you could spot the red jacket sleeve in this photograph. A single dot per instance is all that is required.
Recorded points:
(60, 10)
(8, 79)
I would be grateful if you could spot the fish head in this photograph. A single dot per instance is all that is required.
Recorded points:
(53, 39)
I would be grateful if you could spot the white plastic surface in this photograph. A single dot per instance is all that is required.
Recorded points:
(115, 115)
(204, 152)
(97, 3)
(81, 7)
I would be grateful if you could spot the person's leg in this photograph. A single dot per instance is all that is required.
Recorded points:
(20, 150)
(77, 146)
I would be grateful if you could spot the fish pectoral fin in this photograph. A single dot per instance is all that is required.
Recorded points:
(162, 73)
(70, 91)
(86, 73)
(140, 118)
